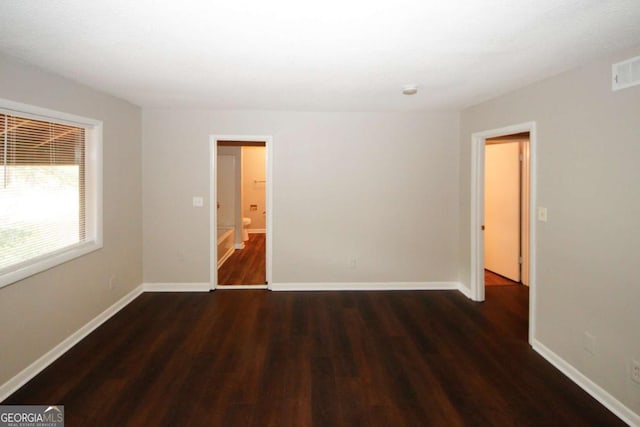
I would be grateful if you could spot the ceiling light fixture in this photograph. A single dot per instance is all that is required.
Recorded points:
(410, 89)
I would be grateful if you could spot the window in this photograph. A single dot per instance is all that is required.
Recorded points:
(49, 189)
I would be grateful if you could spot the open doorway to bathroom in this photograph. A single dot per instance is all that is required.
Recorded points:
(240, 221)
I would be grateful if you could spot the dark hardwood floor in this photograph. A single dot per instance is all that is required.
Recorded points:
(246, 266)
(493, 279)
(260, 358)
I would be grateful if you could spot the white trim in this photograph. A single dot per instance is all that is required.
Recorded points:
(256, 230)
(213, 211)
(225, 256)
(49, 357)
(213, 214)
(239, 245)
(39, 113)
(597, 392)
(46, 261)
(269, 208)
(464, 291)
(224, 287)
(176, 287)
(93, 203)
(476, 285)
(365, 286)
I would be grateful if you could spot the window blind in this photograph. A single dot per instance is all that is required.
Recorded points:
(42, 188)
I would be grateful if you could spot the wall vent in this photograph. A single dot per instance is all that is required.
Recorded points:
(625, 74)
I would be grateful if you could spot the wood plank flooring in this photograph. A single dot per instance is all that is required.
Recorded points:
(493, 279)
(246, 266)
(260, 358)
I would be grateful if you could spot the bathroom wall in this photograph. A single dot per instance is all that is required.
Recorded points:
(227, 190)
(237, 154)
(378, 188)
(254, 186)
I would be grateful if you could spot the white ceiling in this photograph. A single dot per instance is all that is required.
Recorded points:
(323, 55)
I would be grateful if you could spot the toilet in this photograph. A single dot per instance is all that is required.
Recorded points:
(246, 222)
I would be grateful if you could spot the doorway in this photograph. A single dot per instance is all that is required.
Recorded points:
(477, 230)
(240, 212)
(506, 210)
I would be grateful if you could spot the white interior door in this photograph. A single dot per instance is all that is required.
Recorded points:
(226, 190)
(502, 209)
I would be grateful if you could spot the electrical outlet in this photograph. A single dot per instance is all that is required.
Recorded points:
(352, 263)
(113, 282)
(635, 371)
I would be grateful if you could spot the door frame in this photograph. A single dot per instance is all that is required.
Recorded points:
(478, 141)
(213, 211)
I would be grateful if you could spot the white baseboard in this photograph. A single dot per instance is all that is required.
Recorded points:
(49, 357)
(256, 230)
(465, 291)
(365, 286)
(597, 392)
(225, 257)
(239, 245)
(177, 287)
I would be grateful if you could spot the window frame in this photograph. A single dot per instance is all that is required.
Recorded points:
(93, 192)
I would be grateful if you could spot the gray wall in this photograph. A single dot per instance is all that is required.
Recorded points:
(382, 188)
(39, 312)
(588, 253)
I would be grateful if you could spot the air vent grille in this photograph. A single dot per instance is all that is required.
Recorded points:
(625, 74)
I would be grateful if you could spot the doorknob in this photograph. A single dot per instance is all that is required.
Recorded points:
(218, 205)
(481, 227)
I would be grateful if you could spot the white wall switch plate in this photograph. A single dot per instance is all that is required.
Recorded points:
(198, 202)
(542, 214)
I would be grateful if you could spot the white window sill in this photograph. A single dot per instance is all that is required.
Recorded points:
(37, 265)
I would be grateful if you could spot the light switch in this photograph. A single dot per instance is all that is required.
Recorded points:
(542, 214)
(198, 202)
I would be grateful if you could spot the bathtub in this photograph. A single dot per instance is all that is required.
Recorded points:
(225, 244)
